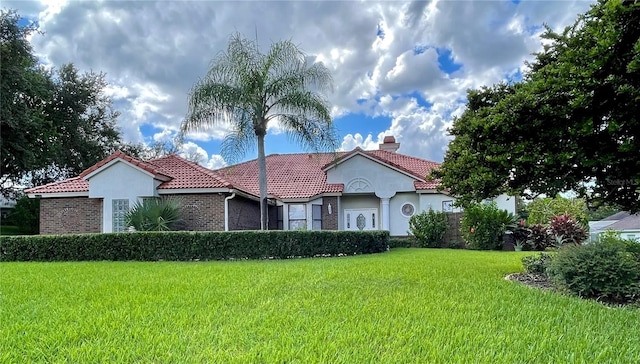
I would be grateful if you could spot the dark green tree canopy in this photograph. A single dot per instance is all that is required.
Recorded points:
(54, 124)
(570, 124)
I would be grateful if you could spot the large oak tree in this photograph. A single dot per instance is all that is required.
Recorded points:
(54, 123)
(570, 124)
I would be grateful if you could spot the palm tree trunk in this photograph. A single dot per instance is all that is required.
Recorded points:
(262, 181)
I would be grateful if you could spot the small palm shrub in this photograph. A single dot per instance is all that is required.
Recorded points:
(567, 230)
(539, 237)
(155, 214)
(428, 228)
(483, 225)
(605, 270)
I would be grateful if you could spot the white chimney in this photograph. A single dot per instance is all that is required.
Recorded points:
(389, 144)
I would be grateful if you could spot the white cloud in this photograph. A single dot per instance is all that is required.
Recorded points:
(216, 161)
(349, 142)
(153, 52)
(197, 154)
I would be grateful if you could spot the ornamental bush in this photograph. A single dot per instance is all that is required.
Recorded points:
(567, 230)
(428, 228)
(605, 270)
(539, 237)
(483, 225)
(182, 245)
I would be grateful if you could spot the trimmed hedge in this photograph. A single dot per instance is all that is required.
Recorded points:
(185, 246)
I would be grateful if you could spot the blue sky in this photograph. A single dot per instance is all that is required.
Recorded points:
(399, 68)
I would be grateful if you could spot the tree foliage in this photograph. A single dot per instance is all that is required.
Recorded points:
(247, 89)
(542, 210)
(570, 124)
(55, 123)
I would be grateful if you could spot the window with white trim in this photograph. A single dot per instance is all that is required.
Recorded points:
(407, 209)
(118, 213)
(316, 212)
(297, 217)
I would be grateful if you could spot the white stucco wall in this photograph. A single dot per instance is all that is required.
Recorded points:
(120, 181)
(383, 180)
(435, 200)
(505, 202)
(399, 224)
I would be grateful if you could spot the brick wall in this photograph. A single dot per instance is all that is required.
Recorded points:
(244, 214)
(329, 222)
(75, 215)
(202, 212)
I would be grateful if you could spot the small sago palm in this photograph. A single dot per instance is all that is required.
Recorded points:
(246, 89)
(154, 214)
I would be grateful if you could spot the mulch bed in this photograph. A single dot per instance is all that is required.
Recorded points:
(540, 281)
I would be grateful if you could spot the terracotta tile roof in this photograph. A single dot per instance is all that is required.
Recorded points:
(75, 184)
(430, 185)
(417, 167)
(289, 176)
(119, 155)
(180, 174)
(303, 175)
(186, 174)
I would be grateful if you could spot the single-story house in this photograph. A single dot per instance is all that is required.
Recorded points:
(356, 190)
(626, 224)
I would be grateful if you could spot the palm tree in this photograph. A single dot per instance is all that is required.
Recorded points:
(247, 89)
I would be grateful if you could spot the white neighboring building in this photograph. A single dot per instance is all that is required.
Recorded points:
(624, 223)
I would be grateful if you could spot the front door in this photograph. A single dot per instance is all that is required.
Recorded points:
(361, 219)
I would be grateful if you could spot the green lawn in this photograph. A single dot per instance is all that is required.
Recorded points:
(404, 306)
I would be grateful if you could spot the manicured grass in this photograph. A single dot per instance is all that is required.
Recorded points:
(404, 306)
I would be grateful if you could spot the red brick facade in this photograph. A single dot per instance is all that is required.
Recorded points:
(329, 221)
(202, 212)
(75, 215)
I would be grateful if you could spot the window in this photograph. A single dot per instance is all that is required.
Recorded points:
(373, 220)
(297, 217)
(316, 212)
(447, 206)
(119, 210)
(280, 210)
(407, 209)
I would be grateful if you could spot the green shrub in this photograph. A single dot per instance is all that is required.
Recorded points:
(542, 210)
(26, 215)
(605, 270)
(537, 264)
(567, 230)
(154, 214)
(400, 243)
(145, 246)
(539, 237)
(483, 225)
(428, 228)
